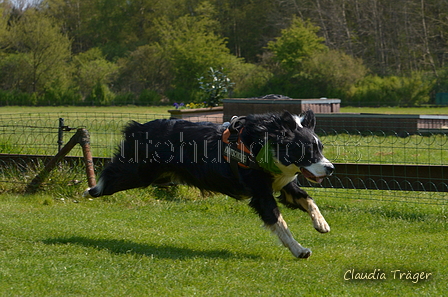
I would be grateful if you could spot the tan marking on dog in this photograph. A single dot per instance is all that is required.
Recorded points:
(289, 198)
(319, 222)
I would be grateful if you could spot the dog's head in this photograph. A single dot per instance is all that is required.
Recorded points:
(299, 150)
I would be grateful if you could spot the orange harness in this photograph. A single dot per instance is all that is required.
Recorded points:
(234, 151)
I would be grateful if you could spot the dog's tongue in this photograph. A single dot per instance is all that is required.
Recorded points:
(310, 176)
(319, 180)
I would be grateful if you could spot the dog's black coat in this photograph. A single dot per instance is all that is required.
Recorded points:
(164, 151)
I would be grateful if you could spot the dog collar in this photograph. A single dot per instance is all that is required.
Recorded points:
(265, 159)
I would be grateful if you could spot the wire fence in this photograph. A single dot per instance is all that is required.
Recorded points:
(37, 134)
(376, 164)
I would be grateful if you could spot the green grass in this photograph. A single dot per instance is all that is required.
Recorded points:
(83, 109)
(139, 243)
(376, 149)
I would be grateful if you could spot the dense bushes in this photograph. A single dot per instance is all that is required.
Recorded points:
(391, 91)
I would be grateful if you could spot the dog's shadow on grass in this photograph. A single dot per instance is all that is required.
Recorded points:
(116, 246)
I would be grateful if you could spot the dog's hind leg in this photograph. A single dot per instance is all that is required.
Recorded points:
(294, 197)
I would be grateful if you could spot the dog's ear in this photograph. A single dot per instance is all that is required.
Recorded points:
(289, 120)
(308, 119)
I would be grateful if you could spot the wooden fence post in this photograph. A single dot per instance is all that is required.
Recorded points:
(82, 137)
(84, 141)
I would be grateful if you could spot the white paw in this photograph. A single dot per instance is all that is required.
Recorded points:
(318, 219)
(86, 193)
(321, 225)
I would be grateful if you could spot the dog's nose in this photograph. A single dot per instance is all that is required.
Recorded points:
(329, 169)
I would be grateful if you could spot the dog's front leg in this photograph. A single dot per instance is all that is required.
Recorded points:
(280, 228)
(294, 197)
(319, 222)
(264, 204)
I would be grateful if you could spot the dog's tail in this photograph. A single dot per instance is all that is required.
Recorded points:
(92, 192)
(117, 176)
(97, 190)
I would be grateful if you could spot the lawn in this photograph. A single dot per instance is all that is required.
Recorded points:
(390, 149)
(152, 243)
(442, 110)
(84, 109)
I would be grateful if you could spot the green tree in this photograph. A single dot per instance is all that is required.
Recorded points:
(117, 27)
(146, 68)
(296, 44)
(249, 25)
(191, 48)
(37, 54)
(92, 69)
(3, 21)
(249, 79)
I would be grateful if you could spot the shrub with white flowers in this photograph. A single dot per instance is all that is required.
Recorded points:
(215, 84)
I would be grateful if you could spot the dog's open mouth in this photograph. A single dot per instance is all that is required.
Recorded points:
(311, 177)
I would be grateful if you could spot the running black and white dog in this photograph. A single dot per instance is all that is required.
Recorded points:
(253, 158)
